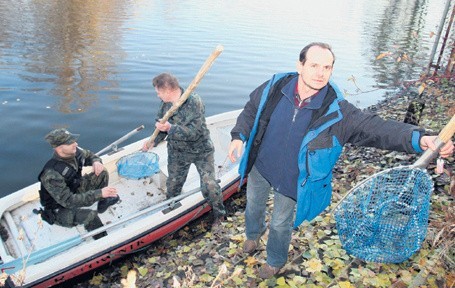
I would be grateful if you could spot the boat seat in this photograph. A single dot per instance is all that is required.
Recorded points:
(42, 236)
(15, 234)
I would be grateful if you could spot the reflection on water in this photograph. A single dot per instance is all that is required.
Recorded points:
(74, 45)
(88, 65)
(400, 32)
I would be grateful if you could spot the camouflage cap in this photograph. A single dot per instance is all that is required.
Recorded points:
(60, 136)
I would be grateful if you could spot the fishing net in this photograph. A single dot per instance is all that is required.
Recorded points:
(384, 219)
(138, 165)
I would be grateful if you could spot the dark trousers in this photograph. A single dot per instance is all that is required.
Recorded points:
(178, 167)
(70, 217)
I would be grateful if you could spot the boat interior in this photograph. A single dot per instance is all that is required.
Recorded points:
(23, 231)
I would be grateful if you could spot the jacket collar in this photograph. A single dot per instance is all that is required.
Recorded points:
(315, 101)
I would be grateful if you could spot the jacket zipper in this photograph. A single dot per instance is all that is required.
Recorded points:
(296, 110)
(307, 170)
(304, 181)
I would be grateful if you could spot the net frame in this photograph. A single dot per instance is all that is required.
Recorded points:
(384, 219)
(404, 239)
(138, 165)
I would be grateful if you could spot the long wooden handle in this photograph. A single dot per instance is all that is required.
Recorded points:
(448, 131)
(444, 136)
(208, 63)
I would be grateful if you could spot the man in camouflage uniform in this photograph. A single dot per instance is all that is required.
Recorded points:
(188, 141)
(64, 189)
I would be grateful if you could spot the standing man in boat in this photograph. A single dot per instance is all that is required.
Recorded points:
(295, 126)
(64, 189)
(188, 141)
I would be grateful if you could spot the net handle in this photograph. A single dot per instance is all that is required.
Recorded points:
(114, 144)
(205, 67)
(444, 136)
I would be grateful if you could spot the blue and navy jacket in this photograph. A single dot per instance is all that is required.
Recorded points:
(336, 123)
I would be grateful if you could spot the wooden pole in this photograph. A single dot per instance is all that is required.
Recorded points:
(208, 63)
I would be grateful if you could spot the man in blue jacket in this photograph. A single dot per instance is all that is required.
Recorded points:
(295, 126)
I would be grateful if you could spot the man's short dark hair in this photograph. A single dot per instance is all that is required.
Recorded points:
(165, 80)
(302, 57)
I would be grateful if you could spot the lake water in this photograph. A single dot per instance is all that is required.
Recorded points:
(88, 65)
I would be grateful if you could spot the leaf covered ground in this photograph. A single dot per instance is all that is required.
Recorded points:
(196, 257)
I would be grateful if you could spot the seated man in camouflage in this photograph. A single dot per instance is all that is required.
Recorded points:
(64, 190)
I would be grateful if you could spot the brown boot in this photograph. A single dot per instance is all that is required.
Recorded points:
(217, 224)
(249, 246)
(266, 271)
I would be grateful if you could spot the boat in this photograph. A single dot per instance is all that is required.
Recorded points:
(36, 254)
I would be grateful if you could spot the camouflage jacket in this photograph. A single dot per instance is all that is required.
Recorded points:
(189, 132)
(55, 189)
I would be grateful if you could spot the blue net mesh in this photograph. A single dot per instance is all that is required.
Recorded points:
(385, 219)
(138, 165)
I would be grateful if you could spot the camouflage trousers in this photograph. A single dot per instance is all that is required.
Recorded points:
(70, 217)
(178, 166)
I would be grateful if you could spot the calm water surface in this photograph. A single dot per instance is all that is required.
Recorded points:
(88, 65)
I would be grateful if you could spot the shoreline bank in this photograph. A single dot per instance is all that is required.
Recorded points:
(194, 257)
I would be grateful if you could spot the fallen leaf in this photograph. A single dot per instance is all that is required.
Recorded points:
(345, 284)
(250, 261)
(142, 271)
(130, 281)
(153, 260)
(382, 55)
(406, 57)
(207, 278)
(313, 265)
(421, 88)
(450, 278)
(96, 280)
(238, 238)
(281, 281)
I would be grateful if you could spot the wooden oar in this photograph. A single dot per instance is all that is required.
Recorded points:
(208, 63)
